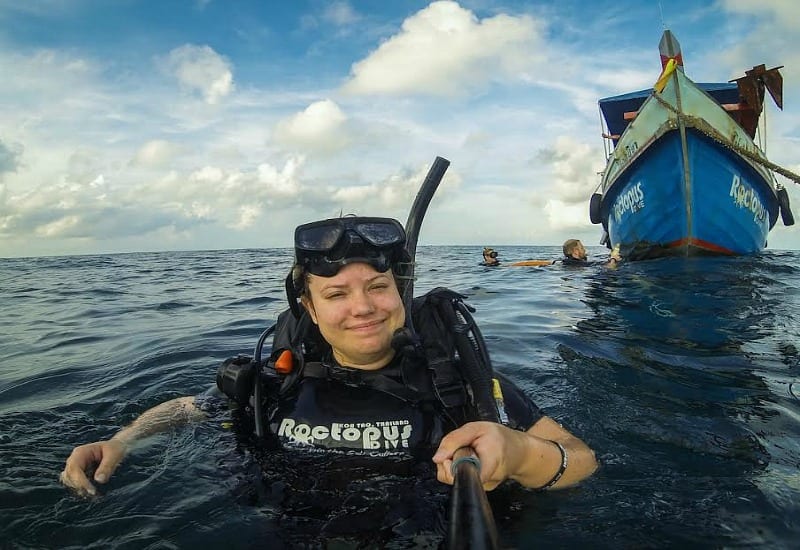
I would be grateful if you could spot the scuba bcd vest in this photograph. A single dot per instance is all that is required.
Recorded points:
(447, 361)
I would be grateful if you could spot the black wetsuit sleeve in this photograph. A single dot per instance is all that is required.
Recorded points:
(521, 410)
(583, 263)
(576, 263)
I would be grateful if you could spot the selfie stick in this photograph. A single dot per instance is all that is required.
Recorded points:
(471, 520)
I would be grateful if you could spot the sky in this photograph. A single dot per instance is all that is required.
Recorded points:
(130, 125)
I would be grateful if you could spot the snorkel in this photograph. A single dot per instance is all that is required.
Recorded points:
(406, 337)
(414, 224)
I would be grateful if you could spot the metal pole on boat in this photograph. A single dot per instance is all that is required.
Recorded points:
(670, 48)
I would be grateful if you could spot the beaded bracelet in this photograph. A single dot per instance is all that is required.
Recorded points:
(561, 468)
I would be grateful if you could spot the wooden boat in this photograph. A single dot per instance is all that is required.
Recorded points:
(684, 175)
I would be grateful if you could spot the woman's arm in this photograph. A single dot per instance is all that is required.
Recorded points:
(532, 458)
(580, 459)
(108, 454)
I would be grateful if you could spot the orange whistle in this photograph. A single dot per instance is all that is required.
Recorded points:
(285, 362)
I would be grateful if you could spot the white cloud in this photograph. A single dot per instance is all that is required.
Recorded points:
(249, 214)
(221, 195)
(321, 127)
(561, 216)
(9, 157)
(283, 183)
(58, 227)
(47, 87)
(393, 195)
(769, 38)
(776, 26)
(207, 174)
(130, 207)
(445, 49)
(624, 80)
(574, 169)
(340, 14)
(157, 152)
(201, 69)
(98, 153)
(782, 12)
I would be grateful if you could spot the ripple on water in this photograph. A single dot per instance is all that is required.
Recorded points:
(682, 375)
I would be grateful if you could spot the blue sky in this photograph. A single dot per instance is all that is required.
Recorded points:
(134, 126)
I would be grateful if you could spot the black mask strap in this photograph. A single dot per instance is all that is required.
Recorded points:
(293, 298)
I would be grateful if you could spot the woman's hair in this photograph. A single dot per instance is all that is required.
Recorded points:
(569, 246)
(300, 279)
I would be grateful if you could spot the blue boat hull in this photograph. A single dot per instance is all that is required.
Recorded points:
(725, 207)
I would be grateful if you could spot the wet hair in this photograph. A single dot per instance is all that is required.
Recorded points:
(569, 246)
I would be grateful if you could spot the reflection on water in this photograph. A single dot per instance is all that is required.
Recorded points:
(683, 375)
(683, 357)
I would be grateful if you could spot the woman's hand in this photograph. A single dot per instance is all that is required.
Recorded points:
(531, 458)
(107, 455)
(499, 449)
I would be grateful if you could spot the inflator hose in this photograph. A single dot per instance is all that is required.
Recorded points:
(257, 382)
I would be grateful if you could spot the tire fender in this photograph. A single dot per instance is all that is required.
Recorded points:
(594, 208)
(786, 211)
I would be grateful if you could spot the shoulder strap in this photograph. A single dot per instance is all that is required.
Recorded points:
(455, 351)
(299, 336)
(371, 379)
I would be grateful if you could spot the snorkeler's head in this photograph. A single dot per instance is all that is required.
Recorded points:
(573, 248)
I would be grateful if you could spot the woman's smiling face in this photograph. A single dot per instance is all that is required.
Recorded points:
(357, 311)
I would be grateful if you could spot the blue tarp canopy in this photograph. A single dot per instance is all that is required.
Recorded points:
(615, 107)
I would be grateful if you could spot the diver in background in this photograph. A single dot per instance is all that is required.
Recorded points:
(490, 260)
(575, 255)
(489, 257)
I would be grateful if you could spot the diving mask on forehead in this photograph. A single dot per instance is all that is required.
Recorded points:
(322, 248)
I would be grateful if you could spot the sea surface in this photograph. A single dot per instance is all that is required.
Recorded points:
(683, 375)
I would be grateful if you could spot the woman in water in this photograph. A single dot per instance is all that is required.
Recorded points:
(363, 394)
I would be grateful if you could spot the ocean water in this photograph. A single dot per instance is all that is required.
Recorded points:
(683, 375)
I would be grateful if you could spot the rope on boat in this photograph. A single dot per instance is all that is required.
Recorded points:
(714, 134)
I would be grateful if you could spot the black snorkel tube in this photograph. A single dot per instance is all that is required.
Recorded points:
(414, 223)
